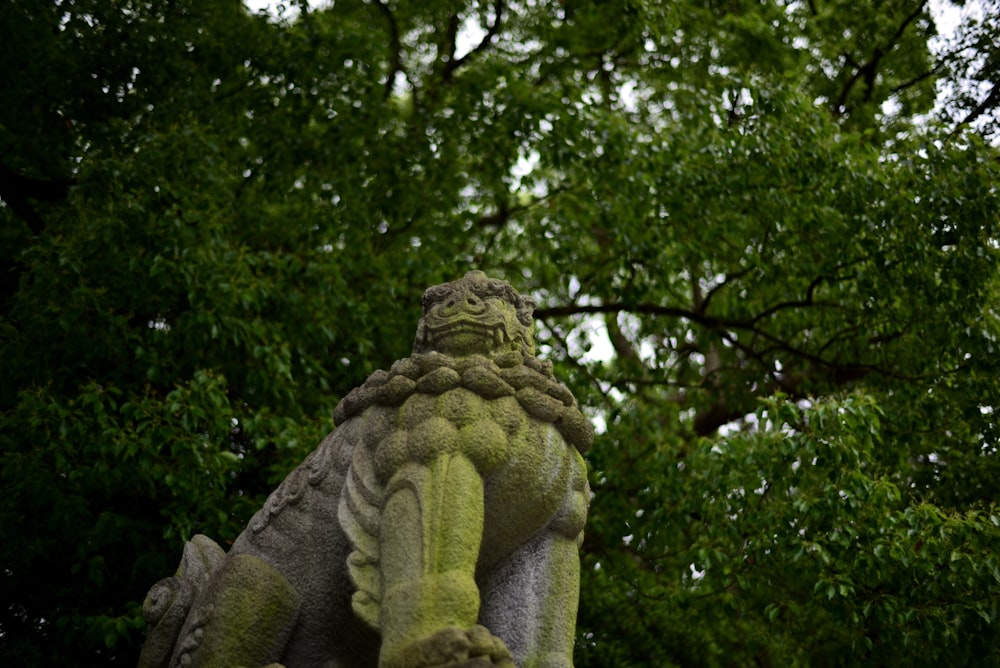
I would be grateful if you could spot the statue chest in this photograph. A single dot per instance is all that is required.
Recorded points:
(524, 460)
(528, 469)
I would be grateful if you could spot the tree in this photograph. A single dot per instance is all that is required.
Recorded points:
(216, 223)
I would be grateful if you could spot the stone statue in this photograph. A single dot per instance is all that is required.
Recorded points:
(437, 525)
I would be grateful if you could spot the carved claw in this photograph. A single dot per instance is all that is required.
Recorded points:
(455, 648)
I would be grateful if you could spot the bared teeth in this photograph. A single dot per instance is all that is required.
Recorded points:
(496, 335)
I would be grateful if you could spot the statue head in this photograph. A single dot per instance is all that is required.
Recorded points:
(475, 315)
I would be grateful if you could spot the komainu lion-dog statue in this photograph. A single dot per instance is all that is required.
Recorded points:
(437, 525)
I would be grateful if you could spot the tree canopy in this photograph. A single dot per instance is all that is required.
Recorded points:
(782, 216)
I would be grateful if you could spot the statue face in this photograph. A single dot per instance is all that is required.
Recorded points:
(474, 315)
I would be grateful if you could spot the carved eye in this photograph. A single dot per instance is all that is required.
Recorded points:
(471, 300)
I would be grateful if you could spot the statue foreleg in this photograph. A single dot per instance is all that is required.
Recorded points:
(531, 600)
(556, 598)
(556, 589)
(245, 617)
(432, 527)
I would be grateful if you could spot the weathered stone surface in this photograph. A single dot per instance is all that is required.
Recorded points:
(438, 525)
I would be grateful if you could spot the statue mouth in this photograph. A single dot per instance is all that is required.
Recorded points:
(468, 332)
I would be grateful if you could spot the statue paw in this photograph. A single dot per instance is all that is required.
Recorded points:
(453, 647)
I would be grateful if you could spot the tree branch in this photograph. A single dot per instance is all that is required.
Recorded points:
(395, 45)
(801, 303)
(449, 47)
(649, 309)
(718, 324)
(990, 101)
(870, 69)
(911, 17)
(561, 339)
(917, 79)
(504, 211)
(491, 32)
(711, 293)
(623, 347)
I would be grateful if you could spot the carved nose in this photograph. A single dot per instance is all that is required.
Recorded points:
(465, 302)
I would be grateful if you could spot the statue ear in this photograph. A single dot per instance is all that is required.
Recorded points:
(528, 340)
(420, 340)
(525, 311)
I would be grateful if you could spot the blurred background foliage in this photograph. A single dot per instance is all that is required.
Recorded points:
(763, 237)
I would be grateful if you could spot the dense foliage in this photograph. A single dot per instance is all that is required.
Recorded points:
(215, 223)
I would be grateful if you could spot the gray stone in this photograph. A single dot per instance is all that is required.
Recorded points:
(437, 525)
